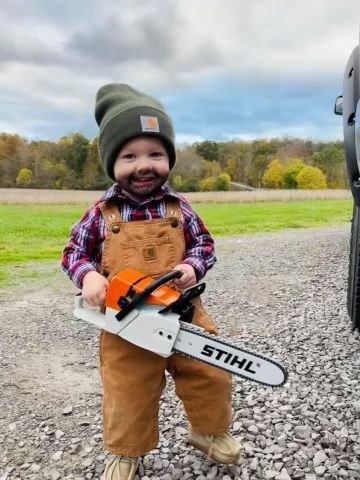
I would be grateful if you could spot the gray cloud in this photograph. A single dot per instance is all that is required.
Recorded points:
(113, 43)
(154, 35)
(26, 50)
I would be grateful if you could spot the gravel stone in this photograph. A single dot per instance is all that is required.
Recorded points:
(57, 455)
(282, 294)
(283, 475)
(253, 429)
(55, 474)
(35, 468)
(303, 432)
(319, 458)
(67, 411)
(270, 474)
(320, 470)
(59, 434)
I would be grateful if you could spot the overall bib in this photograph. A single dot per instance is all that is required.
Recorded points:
(133, 378)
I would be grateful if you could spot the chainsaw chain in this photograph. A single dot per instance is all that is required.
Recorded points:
(222, 342)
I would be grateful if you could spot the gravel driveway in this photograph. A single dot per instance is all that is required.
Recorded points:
(283, 294)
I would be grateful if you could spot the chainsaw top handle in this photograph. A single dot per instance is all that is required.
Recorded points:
(141, 296)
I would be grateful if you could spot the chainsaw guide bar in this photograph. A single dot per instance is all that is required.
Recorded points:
(216, 351)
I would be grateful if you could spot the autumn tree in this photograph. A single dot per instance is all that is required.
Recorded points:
(207, 184)
(230, 168)
(290, 172)
(24, 177)
(12, 158)
(310, 178)
(263, 152)
(93, 176)
(331, 159)
(64, 149)
(74, 150)
(186, 173)
(80, 151)
(274, 174)
(208, 149)
(289, 148)
(219, 183)
(222, 182)
(235, 159)
(209, 169)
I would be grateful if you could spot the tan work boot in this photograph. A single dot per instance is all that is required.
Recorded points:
(121, 468)
(220, 448)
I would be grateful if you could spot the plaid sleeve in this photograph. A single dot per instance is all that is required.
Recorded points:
(82, 253)
(200, 249)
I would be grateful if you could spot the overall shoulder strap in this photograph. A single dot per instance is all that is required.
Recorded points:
(110, 212)
(172, 206)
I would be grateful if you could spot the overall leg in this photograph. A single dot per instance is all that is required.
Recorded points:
(133, 380)
(206, 394)
(204, 390)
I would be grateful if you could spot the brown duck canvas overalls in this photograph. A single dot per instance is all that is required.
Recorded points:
(133, 378)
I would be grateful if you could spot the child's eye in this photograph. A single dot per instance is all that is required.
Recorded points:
(128, 156)
(157, 154)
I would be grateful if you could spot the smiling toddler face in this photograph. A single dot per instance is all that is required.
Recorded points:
(141, 166)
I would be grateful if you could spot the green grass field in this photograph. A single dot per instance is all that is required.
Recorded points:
(33, 233)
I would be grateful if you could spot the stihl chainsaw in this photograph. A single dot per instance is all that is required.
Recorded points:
(157, 317)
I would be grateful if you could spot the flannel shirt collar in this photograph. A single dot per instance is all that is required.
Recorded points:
(115, 192)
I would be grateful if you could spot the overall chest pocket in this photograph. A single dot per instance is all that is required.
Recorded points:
(152, 256)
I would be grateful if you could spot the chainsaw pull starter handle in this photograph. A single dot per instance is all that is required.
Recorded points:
(141, 296)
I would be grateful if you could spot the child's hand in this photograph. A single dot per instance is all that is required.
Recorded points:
(94, 288)
(188, 278)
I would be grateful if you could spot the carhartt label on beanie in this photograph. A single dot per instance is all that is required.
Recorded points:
(122, 113)
(149, 124)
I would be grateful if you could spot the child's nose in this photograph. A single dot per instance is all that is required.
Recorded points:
(144, 162)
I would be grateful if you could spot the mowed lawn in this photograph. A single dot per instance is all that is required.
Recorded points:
(32, 233)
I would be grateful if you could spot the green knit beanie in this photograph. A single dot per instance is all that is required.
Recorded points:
(123, 113)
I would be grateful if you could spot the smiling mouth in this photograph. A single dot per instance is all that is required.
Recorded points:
(143, 181)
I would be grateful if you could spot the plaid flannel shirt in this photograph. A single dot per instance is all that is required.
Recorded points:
(83, 251)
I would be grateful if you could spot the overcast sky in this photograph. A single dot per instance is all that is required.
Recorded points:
(224, 69)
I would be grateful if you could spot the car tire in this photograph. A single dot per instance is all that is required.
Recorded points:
(353, 296)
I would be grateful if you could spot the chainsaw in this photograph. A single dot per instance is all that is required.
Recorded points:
(157, 317)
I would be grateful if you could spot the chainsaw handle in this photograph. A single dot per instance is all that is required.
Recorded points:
(139, 297)
(87, 314)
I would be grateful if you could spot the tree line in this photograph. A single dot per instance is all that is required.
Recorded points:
(72, 162)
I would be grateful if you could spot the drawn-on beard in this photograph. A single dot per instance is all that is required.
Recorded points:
(142, 185)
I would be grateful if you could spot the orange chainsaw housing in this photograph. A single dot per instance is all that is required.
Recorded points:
(130, 280)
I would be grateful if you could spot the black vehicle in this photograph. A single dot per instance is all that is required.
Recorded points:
(348, 105)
